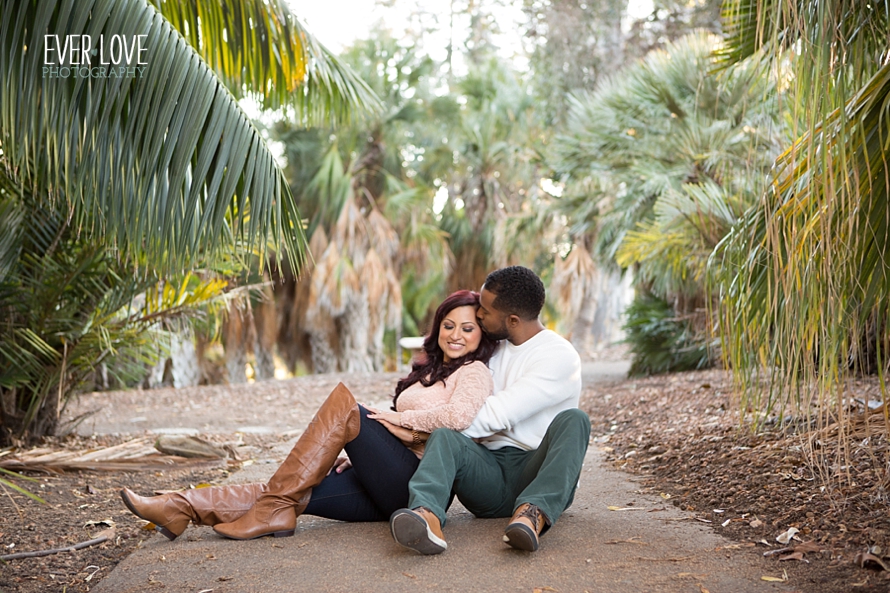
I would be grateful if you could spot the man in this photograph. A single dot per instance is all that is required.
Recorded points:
(522, 455)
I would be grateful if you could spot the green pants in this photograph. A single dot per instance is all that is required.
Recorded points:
(494, 483)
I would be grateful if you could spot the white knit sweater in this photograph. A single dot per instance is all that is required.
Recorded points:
(533, 382)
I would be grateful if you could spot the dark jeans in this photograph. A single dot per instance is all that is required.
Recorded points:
(377, 483)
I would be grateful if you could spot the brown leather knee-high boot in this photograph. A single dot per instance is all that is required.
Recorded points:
(172, 512)
(275, 513)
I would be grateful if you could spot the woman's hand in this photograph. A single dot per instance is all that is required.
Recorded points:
(394, 418)
(341, 463)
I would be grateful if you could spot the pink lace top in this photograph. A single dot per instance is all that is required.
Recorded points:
(452, 404)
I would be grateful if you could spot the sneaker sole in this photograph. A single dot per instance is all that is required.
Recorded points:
(521, 537)
(411, 531)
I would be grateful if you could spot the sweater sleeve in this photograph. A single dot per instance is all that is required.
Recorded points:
(546, 382)
(472, 384)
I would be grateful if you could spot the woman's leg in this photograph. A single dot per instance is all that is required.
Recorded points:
(289, 489)
(342, 497)
(383, 465)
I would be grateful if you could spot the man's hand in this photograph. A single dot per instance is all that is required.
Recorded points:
(401, 433)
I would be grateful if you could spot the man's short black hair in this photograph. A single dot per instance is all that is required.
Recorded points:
(517, 291)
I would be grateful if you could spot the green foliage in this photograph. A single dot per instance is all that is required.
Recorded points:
(16, 487)
(805, 279)
(662, 160)
(208, 181)
(660, 341)
(667, 122)
(112, 189)
(260, 50)
(68, 306)
(478, 144)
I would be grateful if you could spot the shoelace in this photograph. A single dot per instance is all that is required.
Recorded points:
(532, 513)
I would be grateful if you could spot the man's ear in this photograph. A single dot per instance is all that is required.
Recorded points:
(513, 320)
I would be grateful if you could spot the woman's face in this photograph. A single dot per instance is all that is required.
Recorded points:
(459, 334)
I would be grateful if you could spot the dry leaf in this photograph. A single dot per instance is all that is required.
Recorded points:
(225, 578)
(92, 574)
(792, 556)
(542, 589)
(756, 523)
(808, 547)
(735, 546)
(624, 508)
(772, 579)
(107, 533)
(702, 588)
(863, 558)
(409, 575)
(634, 540)
(105, 522)
(784, 538)
(665, 495)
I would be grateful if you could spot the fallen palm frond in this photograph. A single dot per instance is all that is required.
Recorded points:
(134, 455)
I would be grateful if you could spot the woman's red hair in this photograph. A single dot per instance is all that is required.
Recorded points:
(429, 366)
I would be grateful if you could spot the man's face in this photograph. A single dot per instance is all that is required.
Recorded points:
(492, 321)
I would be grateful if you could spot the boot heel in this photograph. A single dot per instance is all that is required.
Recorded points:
(284, 533)
(166, 532)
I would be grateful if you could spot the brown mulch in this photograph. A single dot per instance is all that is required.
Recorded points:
(682, 436)
(80, 505)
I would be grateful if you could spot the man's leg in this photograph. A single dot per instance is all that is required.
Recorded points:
(454, 461)
(550, 474)
(449, 460)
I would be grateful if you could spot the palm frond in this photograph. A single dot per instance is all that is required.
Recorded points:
(164, 164)
(260, 49)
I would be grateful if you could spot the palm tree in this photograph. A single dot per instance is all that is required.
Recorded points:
(806, 290)
(112, 187)
(491, 167)
(367, 218)
(661, 161)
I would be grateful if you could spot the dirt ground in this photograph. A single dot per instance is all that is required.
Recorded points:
(678, 433)
(681, 434)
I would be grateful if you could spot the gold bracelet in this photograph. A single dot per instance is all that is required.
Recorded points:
(416, 437)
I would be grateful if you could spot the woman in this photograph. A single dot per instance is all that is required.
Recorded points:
(445, 389)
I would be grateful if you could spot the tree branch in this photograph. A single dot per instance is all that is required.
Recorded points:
(79, 546)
